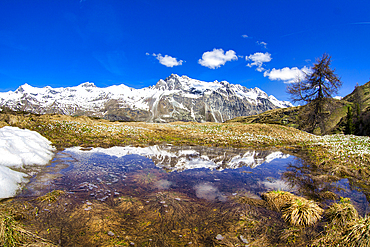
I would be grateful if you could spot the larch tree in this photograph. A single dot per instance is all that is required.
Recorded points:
(315, 89)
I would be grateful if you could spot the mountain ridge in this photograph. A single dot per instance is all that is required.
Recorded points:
(176, 98)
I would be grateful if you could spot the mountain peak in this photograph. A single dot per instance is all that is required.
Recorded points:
(173, 82)
(173, 76)
(87, 84)
(25, 87)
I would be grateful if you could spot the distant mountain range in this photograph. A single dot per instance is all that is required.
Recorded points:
(173, 99)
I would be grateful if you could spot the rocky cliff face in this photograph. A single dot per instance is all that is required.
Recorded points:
(173, 99)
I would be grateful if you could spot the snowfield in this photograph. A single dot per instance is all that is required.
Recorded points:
(20, 148)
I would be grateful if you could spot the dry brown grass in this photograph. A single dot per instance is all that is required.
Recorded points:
(343, 227)
(277, 199)
(339, 214)
(51, 196)
(13, 234)
(65, 131)
(358, 233)
(302, 212)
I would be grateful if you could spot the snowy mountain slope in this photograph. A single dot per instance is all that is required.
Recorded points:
(173, 99)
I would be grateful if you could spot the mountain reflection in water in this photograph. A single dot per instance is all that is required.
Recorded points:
(204, 172)
(209, 173)
(176, 158)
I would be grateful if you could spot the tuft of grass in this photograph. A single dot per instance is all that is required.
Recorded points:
(277, 199)
(339, 214)
(344, 227)
(301, 212)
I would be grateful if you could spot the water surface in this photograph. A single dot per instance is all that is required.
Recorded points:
(172, 196)
(200, 172)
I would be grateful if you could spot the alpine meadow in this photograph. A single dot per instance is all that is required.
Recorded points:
(184, 123)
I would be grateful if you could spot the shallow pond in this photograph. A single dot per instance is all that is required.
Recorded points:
(165, 195)
(200, 172)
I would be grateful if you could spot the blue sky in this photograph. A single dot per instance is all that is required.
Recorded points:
(253, 43)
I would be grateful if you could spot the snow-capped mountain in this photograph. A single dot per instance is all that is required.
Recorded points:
(173, 99)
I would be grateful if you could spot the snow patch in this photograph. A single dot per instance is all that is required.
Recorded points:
(20, 148)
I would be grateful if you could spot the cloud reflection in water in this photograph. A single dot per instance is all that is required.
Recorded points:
(209, 192)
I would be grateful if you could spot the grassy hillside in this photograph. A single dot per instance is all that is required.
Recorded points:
(360, 99)
(294, 117)
(283, 116)
(336, 114)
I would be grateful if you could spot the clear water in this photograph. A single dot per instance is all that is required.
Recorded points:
(207, 173)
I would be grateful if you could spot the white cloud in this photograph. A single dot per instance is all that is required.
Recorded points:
(258, 59)
(245, 36)
(167, 61)
(287, 75)
(263, 44)
(214, 59)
